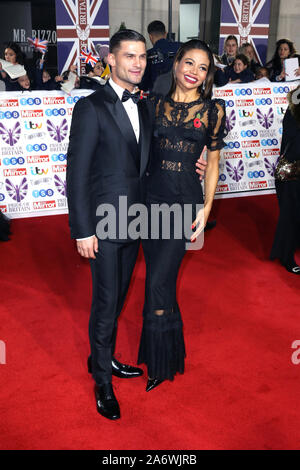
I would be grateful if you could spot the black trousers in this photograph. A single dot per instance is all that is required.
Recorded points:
(111, 274)
(287, 236)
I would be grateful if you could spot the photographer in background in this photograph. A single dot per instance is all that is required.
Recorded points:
(160, 58)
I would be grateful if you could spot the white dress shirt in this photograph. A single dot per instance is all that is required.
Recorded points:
(132, 112)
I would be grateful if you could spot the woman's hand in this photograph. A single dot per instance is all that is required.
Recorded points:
(297, 72)
(200, 222)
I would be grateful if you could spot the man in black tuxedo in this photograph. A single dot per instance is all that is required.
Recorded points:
(107, 158)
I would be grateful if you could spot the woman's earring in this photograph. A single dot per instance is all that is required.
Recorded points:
(204, 85)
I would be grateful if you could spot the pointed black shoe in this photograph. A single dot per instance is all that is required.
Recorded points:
(107, 404)
(152, 383)
(120, 370)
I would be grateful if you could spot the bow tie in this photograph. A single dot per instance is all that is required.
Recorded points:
(134, 96)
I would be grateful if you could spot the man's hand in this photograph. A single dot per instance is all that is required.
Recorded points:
(201, 164)
(87, 248)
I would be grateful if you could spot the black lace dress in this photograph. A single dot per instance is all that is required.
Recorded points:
(180, 133)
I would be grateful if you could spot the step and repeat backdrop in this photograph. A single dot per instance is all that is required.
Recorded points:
(35, 126)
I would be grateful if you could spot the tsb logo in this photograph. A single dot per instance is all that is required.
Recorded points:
(249, 133)
(42, 192)
(36, 147)
(229, 103)
(263, 101)
(243, 92)
(13, 161)
(30, 101)
(233, 145)
(73, 99)
(55, 112)
(256, 174)
(269, 142)
(59, 158)
(9, 115)
(281, 89)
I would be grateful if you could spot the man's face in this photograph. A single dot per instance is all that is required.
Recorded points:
(128, 64)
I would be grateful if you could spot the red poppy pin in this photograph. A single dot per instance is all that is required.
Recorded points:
(197, 122)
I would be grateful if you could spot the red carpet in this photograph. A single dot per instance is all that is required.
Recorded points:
(241, 314)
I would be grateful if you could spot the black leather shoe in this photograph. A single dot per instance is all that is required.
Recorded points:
(295, 269)
(120, 370)
(124, 371)
(107, 404)
(152, 383)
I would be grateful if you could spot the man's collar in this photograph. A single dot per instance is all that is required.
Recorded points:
(118, 89)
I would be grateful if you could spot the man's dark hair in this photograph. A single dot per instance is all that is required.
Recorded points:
(124, 35)
(156, 27)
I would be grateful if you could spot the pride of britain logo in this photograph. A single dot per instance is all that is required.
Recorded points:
(15, 191)
(236, 172)
(10, 135)
(265, 119)
(230, 120)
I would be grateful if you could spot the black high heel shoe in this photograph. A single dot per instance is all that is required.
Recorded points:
(152, 383)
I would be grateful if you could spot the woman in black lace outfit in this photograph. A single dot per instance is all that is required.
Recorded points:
(186, 120)
(4, 228)
(287, 235)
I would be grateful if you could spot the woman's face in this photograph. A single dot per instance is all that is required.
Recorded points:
(10, 55)
(98, 69)
(249, 52)
(192, 69)
(284, 51)
(231, 47)
(239, 66)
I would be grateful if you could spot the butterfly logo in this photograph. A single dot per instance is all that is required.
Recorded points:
(10, 136)
(60, 185)
(17, 193)
(271, 166)
(235, 172)
(266, 120)
(57, 133)
(230, 121)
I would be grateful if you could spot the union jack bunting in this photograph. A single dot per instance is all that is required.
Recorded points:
(81, 25)
(248, 20)
(88, 58)
(38, 44)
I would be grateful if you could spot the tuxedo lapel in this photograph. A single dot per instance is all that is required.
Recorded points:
(145, 134)
(117, 111)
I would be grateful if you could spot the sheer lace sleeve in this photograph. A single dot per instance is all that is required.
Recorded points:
(217, 125)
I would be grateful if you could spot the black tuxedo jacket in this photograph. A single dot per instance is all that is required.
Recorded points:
(104, 159)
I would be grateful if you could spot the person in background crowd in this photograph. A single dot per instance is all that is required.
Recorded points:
(287, 181)
(230, 50)
(15, 56)
(4, 228)
(160, 58)
(43, 79)
(239, 72)
(248, 50)
(284, 50)
(262, 72)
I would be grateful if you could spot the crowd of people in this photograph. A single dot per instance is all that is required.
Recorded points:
(236, 65)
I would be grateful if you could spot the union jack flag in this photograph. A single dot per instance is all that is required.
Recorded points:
(81, 25)
(88, 58)
(38, 44)
(248, 20)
